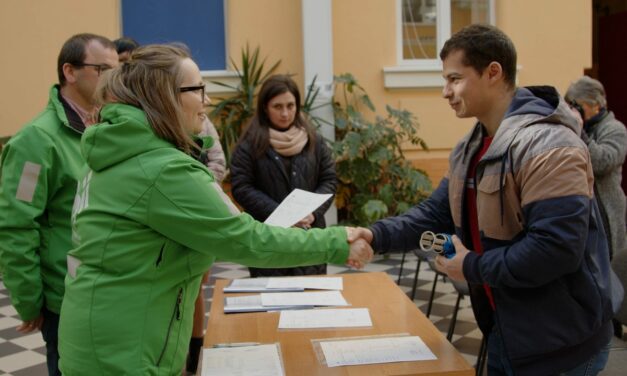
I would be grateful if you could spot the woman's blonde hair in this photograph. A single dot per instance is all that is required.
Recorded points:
(150, 81)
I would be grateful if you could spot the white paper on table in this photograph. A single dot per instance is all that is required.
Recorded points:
(296, 206)
(256, 285)
(325, 318)
(375, 350)
(259, 360)
(319, 283)
(243, 301)
(316, 298)
(250, 282)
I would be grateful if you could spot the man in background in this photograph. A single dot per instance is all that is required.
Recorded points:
(38, 180)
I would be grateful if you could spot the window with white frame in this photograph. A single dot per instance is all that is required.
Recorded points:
(426, 24)
(423, 27)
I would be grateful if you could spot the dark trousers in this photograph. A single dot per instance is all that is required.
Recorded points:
(50, 332)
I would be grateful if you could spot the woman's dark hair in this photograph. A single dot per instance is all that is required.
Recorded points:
(257, 132)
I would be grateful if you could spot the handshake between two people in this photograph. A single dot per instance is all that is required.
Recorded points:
(360, 252)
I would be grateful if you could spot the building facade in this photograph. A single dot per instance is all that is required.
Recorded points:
(390, 46)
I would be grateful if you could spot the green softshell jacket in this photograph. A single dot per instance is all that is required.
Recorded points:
(38, 178)
(149, 220)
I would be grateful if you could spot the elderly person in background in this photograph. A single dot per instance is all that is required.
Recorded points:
(606, 138)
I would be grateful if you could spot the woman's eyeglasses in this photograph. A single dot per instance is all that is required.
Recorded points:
(194, 88)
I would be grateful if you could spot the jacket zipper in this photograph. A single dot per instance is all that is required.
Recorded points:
(160, 258)
(176, 314)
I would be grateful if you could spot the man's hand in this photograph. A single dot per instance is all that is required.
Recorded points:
(306, 222)
(453, 267)
(31, 325)
(360, 254)
(355, 233)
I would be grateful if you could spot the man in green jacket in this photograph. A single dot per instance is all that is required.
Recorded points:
(38, 180)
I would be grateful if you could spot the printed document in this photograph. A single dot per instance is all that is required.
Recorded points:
(252, 303)
(257, 285)
(317, 298)
(375, 350)
(296, 206)
(325, 318)
(258, 360)
(313, 283)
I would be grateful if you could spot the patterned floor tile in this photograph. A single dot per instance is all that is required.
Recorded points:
(21, 360)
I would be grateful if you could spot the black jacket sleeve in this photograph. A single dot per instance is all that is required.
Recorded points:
(254, 201)
(327, 179)
(402, 233)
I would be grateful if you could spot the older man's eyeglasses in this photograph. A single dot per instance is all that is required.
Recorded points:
(200, 88)
(576, 106)
(98, 67)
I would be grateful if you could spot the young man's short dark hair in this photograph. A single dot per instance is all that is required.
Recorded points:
(73, 51)
(483, 44)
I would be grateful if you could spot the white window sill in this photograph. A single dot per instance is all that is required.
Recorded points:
(408, 77)
(224, 76)
(416, 77)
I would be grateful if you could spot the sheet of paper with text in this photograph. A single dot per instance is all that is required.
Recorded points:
(296, 206)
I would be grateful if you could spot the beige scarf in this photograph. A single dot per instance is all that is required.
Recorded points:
(289, 142)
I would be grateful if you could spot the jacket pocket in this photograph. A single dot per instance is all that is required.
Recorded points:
(498, 208)
(176, 315)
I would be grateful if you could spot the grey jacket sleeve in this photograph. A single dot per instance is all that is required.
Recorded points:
(607, 146)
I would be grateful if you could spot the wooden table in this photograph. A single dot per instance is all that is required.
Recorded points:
(391, 312)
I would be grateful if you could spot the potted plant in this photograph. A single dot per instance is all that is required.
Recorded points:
(375, 180)
(231, 114)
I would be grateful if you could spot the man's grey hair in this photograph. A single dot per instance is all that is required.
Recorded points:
(586, 89)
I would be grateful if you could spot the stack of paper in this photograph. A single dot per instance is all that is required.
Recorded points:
(256, 285)
(284, 284)
(282, 301)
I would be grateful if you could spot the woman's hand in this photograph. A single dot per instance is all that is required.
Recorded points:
(360, 254)
(306, 222)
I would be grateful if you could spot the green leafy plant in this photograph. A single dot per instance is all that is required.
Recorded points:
(375, 179)
(231, 114)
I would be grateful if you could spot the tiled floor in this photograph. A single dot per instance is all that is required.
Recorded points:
(25, 355)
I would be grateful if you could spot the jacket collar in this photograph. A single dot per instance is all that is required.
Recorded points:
(64, 111)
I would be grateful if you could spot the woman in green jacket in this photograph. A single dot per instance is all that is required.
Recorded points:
(149, 220)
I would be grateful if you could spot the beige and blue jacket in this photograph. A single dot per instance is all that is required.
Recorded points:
(545, 254)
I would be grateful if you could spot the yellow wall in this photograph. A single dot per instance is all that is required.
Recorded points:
(32, 33)
(274, 26)
(365, 43)
(554, 46)
(553, 39)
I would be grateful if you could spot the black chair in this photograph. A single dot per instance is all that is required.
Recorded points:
(463, 290)
(429, 257)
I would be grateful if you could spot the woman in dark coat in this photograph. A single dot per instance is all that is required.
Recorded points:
(279, 152)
